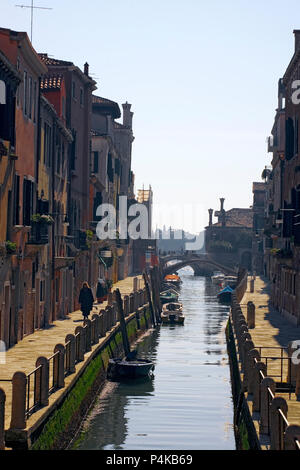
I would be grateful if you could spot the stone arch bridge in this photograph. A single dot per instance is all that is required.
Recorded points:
(199, 263)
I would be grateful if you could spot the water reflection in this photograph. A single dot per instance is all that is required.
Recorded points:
(187, 405)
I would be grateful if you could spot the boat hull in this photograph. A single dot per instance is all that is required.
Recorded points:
(118, 369)
(172, 318)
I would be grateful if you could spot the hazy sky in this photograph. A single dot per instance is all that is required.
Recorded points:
(202, 79)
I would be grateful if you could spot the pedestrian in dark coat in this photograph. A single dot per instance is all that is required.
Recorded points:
(86, 299)
(101, 291)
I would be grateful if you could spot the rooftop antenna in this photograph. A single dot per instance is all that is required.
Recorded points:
(32, 7)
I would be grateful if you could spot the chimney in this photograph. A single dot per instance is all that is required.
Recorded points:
(86, 69)
(297, 39)
(222, 212)
(127, 115)
(210, 211)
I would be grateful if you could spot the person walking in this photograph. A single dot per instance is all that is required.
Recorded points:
(86, 299)
(101, 291)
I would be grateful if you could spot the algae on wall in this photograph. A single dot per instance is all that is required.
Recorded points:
(58, 423)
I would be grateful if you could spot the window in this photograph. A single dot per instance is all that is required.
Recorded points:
(2, 92)
(110, 171)
(27, 202)
(73, 151)
(25, 85)
(30, 97)
(96, 162)
(16, 214)
(81, 97)
(63, 105)
(47, 144)
(34, 101)
(42, 291)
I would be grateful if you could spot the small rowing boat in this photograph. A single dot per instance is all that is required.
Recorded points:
(172, 313)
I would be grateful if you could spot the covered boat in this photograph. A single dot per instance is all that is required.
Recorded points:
(173, 279)
(172, 313)
(169, 295)
(225, 294)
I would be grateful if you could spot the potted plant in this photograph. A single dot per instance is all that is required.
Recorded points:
(11, 247)
(45, 219)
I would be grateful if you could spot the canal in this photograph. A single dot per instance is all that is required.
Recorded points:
(188, 404)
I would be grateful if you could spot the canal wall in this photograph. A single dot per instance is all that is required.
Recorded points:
(55, 425)
(245, 432)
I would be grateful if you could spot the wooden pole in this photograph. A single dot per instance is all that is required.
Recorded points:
(122, 322)
(154, 296)
(149, 298)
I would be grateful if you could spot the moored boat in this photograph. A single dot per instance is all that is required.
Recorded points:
(173, 279)
(172, 313)
(218, 278)
(230, 281)
(133, 369)
(169, 295)
(225, 294)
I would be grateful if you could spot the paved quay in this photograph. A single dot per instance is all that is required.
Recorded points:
(272, 331)
(23, 355)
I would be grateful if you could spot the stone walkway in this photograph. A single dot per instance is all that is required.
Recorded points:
(23, 355)
(272, 331)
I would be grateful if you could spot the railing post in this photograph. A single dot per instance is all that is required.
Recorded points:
(101, 323)
(71, 338)
(246, 346)
(131, 303)
(276, 431)
(109, 298)
(126, 305)
(259, 367)
(95, 319)
(114, 311)
(249, 371)
(251, 315)
(88, 334)
(59, 366)
(264, 424)
(2, 419)
(135, 284)
(42, 383)
(18, 403)
(292, 433)
(81, 347)
(292, 369)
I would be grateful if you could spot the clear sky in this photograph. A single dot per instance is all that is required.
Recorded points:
(202, 79)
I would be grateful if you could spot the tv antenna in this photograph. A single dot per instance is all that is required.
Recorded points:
(32, 7)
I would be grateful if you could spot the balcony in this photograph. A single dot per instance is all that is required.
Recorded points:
(38, 235)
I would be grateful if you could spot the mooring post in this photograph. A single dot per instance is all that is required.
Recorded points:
(122, 323)
(149, 299)
(251, 314)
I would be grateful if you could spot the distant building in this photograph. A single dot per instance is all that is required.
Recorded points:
(229, 240)
(145, 197)
(258, 207)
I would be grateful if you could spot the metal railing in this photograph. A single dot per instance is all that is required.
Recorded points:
(33, 391)
(53, 371)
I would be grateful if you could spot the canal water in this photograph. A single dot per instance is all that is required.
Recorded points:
(188, 403)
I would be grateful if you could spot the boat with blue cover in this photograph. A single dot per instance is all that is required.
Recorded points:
(225, 294)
